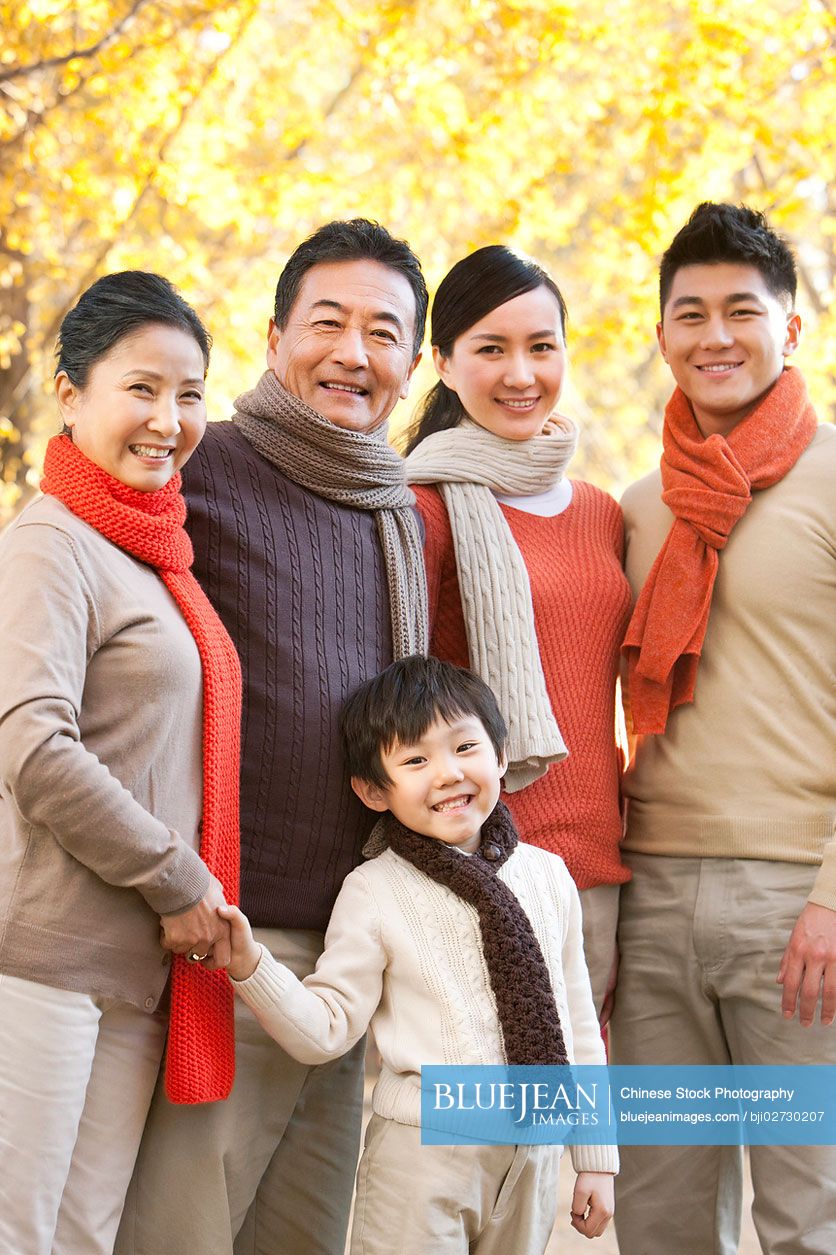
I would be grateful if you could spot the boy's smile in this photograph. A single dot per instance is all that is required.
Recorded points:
(444, 786)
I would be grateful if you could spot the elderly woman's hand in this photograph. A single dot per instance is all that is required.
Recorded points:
(200, 930)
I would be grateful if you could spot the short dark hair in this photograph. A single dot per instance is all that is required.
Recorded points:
(116, 306)
(358, 239)
(477, 285)
(397, 707)
(730, 233)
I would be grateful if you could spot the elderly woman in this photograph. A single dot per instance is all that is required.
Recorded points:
(119, 719)
(524, 567)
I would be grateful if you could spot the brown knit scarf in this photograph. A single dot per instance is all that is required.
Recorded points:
(351, 469)
(519, 978)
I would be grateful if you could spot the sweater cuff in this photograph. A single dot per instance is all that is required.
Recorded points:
(824, 886)
(594, 1158)
(185, 883)
(267, 984)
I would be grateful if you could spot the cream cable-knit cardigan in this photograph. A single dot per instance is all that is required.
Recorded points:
(404, 954)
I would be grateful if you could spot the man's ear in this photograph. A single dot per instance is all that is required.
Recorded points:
(273, 337)
(370, 795)
(404, 392)
(793, 334)
(660, 336)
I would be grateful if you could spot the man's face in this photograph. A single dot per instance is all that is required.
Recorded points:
(347, 350)
(725, 337)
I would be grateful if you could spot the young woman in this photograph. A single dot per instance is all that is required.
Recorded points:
(524, 566)
(119, 717)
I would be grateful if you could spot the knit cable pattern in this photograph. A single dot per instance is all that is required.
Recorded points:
(200, 1059)
(517, 970)
(351, 469)
(469, 464)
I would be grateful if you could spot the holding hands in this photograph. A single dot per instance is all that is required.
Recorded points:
(200, 931)
(245, 951)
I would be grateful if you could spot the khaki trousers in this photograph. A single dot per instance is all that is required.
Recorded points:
(451, 1200)
(76, 1078)
(268, 1172)
(700, 942)
(600, 921)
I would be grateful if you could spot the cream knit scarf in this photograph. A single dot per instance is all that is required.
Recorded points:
(469, 464)
(351, 469)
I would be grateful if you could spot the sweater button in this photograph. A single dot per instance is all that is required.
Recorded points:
(491, 851)
(150, 1003)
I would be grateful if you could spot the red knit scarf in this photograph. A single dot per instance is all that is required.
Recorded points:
(200, 1061)
(707, 483)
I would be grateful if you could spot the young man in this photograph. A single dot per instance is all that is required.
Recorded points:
(728, 928)
(442, 982)
(306, 542)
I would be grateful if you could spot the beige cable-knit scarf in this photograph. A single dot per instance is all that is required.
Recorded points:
(469, 464)
(360, 471)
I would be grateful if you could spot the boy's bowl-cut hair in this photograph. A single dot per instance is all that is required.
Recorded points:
(397, 707)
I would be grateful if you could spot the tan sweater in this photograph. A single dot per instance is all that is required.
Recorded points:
(749, 769)
(100, 760)
(405, 954)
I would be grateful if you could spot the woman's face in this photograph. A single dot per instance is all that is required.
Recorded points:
(142, 411)
(507, 369)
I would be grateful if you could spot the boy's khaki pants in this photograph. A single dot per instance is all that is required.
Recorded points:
(451, 1200)
(701, 941)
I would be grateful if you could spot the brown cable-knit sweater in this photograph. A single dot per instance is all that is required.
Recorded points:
(301, 587)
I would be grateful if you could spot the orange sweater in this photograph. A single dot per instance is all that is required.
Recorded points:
(581, 606)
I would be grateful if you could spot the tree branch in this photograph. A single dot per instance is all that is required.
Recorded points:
(77, 54)
(84, 281)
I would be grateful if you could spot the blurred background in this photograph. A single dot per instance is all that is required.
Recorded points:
(205, 140)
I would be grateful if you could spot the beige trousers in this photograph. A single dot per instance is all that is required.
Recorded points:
(76, 1078)
(700, 943)
(268, 1172)
(451, 1200)
(600, 921)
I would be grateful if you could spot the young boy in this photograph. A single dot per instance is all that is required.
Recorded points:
(460, 946)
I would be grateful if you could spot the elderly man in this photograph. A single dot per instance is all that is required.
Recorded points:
(306, 542)
(728, 927)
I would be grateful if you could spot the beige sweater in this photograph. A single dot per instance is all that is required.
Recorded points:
(100, 760)
(405, 954)
(749, 769)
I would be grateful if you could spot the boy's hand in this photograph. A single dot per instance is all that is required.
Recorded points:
(593, 1203)
(246, 953)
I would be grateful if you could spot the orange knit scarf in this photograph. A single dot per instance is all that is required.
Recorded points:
(200, 1060)
(707, 483)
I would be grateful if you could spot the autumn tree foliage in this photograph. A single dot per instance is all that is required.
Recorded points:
(204, 139)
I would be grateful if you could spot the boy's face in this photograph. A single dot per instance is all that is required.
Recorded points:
(725, 337)
(444, 786)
